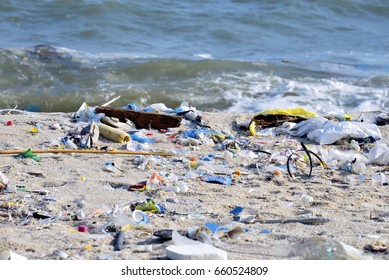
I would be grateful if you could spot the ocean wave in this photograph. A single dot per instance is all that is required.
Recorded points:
(59, 79)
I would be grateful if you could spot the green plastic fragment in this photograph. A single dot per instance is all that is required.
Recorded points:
(30, 154)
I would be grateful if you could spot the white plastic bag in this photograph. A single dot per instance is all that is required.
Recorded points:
(379, 154)
(325, 131)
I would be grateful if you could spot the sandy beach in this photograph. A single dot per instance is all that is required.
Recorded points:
(70, 206)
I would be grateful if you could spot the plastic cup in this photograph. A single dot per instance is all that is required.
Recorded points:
(139, 216)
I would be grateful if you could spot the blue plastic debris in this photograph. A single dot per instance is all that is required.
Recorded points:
(139, 139)
(237, 210)
(194, 133)
(223, 180)
(213, 227)
(132, 106)
(162, 209)
(147, 109)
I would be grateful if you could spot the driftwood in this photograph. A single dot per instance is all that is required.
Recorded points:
(142, 119)
(306, 221)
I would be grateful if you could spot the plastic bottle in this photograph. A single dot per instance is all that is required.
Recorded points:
(110, 166)
(359, 167)
(379, 178)
(69, 143)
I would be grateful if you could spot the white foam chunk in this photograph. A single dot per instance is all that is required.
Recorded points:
(195, 252)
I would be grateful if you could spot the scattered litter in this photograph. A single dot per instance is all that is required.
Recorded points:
(169, 157)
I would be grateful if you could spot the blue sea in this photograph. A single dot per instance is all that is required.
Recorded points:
(328, 56)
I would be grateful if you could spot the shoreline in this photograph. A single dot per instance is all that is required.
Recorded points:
(37, 226)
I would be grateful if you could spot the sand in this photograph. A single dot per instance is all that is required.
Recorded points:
(37, 226)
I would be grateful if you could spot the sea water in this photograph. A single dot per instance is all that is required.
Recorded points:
(223, 55)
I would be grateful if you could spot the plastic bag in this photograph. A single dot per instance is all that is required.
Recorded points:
(379, 154)
(325, 131)
(295, 112)
(275, 117)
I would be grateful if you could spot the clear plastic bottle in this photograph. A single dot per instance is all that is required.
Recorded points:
(378, 178)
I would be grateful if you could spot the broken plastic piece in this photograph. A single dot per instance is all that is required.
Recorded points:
(237, 210)
(30, 154)
(224, 180)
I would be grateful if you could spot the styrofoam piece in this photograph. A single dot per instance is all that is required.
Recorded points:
(195, 252)
(6, 254)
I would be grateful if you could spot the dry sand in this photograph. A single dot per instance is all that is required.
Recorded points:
(358, 212)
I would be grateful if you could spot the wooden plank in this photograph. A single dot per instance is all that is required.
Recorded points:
(142, 119)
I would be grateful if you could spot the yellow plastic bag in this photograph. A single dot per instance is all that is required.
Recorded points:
(277, 116)
(295, 112)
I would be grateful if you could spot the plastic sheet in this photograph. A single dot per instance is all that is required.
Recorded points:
(324, 131)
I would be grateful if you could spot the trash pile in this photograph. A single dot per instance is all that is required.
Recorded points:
(178, 153)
